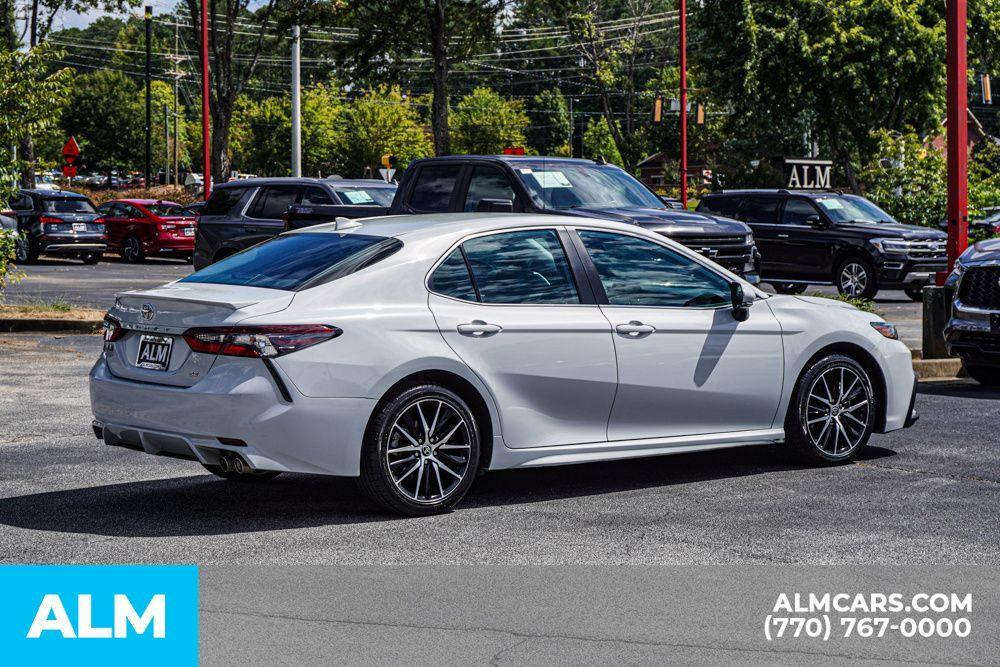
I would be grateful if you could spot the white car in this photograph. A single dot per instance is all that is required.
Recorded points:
(413, 352)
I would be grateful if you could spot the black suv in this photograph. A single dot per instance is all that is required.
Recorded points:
(55, 222)
(566, 186)
(832, 238)
(243, 213)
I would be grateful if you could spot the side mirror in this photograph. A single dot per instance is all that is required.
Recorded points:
(495, 206)
(816, 221)
(741, 303)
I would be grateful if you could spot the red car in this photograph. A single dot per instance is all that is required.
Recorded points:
(141, 228)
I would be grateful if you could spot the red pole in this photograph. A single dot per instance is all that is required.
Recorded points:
(682, 58)
(206, 139)
(958, 156)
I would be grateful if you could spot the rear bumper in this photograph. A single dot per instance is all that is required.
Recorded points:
(71, 245)
(311, 435)
(184, 244)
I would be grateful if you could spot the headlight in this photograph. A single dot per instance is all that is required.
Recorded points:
(750, 238)
(891, 245)
(887, 329)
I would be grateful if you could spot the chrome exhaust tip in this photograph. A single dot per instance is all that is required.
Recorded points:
(238, 465)
(224, 464)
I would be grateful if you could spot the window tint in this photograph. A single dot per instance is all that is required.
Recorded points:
(316, 197)
(272, 201)
(451, 278)
(487, 183)
(165, 209)
(636, 272)
(433, 189)
(68, 206)
(760, 209)
(367, 196)
(521, 267)
(797, 211)
(724, 206)
(22, 203)
(222, 201)
(297, 260)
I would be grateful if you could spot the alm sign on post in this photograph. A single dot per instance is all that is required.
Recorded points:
(808, 174)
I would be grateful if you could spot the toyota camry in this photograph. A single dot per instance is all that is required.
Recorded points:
(415, 352)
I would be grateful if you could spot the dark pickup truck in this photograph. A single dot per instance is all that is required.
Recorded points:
(562, 186)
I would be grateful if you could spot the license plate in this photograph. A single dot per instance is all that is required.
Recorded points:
(79, 226)
(189, 231)
(995, 322)
(154, 352)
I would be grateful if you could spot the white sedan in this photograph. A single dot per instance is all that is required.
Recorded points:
(414, 352)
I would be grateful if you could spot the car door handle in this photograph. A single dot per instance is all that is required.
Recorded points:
(635, 329)
(782, 236)
(479, 329)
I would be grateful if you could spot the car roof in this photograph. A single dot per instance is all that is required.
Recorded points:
(359, 181)
(270, 180)
(144, 202)
(514, 159)
(425, 226)
(54, 194)
(777, 191)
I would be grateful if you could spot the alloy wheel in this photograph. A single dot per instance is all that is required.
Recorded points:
(428, 450)
(853, 279)
(132, 250)
(838, 411)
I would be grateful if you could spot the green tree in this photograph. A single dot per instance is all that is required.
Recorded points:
(382, 121)
(484, 123)
(906, 178)
(549, 131)
(262, 136)
(599, 142)
(106, 114)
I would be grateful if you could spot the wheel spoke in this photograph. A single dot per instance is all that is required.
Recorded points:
(408, 472)
(437, 413)
(437, 473)
(420, 477)
(447, 469)
(414, 464)
(856, 406)
(450, 433)
(409, 437)
(860, 423)
(404, 448)
(423, 422)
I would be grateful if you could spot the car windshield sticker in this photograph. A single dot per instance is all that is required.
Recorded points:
(830, 204)
(552, 179)
(358, 197)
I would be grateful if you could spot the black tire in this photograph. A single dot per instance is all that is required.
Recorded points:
(988, 376)
(132, 252)
(26, 251)
(867, 290)
(789, 288)
(251, 477)
(810, 442)
(389, 428)
(91, 258)
(915, 293)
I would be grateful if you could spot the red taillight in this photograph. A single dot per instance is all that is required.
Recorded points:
(167, 227)
(49, 220)
(98, 221)
(260, 341)
(112, 329)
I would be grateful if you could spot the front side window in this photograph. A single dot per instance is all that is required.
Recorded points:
(295, 261)
(273, 201)
(487, 183)
(798, 212)
(528, 267)
(68, 206)
(637, 272)
(434, 187)
(452, 278)
(316, 197)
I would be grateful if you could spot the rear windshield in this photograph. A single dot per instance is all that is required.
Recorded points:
(365, 196)
(68, 206)
(165, 209)
(298, 261)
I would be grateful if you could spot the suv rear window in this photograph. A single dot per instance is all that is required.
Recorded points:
(434, 187)
(222, 201)
(66, 205)
(298, 261)
(724, 206)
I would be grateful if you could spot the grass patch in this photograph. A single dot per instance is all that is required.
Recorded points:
(56, 309)
(866, 305)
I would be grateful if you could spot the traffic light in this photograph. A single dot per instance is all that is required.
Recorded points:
(386, 161)
(700, 114)
(658, 109)
(987, 93)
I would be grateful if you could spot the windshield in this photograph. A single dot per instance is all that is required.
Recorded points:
(297, 260)
(68, 206)
(366, 196)
(565, 185)
(164, 209)
(851, 208)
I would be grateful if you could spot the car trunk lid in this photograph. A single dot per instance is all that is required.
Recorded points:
(153, 348)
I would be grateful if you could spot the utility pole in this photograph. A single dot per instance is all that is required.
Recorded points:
(177, 173)
(682, 61)
(166, 144)
(296, 102)
(149, 100)
(206, 148)
(571, 128)
(957, 122)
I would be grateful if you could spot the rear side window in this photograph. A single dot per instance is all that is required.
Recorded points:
(487, 183)
(316, 197)
(724, 206)
(272, 201)
(760, 209)
(434, 187)
(451, 278)
(222, 201)
(298, 261)
(528, 267)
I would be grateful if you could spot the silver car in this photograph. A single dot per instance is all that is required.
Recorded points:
(414, 352)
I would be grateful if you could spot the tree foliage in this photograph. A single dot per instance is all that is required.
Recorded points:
(483, 123)
(548, 133)
(106, 114)
(381, 122)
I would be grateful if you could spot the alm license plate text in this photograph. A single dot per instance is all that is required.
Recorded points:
(154, 352)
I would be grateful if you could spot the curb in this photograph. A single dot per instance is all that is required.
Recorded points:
(23, 325)
(937, 369)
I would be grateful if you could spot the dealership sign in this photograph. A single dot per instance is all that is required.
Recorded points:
(808, 174)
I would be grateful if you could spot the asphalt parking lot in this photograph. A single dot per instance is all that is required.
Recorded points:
(70, 281)
(927, 495)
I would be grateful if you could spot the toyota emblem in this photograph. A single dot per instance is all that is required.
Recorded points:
(148, 312)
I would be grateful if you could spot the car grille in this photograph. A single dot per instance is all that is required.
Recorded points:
(984, 341)
(980, 287)
(730, 251)
(927, 250)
